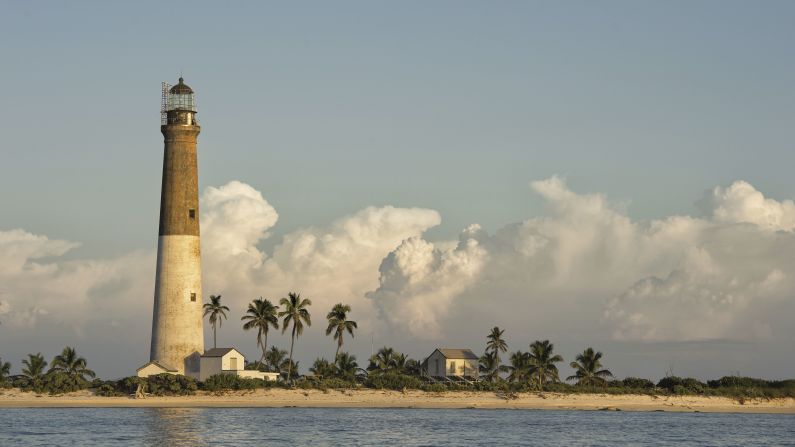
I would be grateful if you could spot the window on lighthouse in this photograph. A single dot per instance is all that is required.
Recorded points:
(193, 297)
(192, 214)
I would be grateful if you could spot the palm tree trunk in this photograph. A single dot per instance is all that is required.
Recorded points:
(339, 345)
(290, 365)
(215, 345)
(264, 349)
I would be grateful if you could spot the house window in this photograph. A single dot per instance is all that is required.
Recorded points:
(452, 367)
(233, 363)
(193, 297)
(192, 214)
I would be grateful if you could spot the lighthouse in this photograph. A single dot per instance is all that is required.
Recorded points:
(177, 332)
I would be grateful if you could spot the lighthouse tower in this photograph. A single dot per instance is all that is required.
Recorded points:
(177, 332)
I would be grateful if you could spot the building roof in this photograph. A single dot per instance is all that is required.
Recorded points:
(159, 365)
(218, 352)
(452, 353)
(181, 88)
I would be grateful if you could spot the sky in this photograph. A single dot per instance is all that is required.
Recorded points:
(614, 174)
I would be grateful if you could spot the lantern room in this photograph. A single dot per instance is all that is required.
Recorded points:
(178, 106)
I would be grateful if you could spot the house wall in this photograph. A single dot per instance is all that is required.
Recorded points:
(436, 365)
(226, 361)
(461, 367)
(209, 366)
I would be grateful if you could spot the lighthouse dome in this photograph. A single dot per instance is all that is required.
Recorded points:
(181, 88)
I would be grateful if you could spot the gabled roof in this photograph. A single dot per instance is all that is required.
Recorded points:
(219, 352)
(159, 365)
(451, 353)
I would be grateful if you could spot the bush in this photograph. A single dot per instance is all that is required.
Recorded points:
(336, 383)
(562, 387)
(221, 382)
(636, 383)
(392, 381)
(59, 383)
(680, 385)
(433, 387)
(108, 389)
(171, 385)
(749, 387)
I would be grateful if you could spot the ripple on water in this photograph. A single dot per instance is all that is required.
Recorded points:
(359, 426)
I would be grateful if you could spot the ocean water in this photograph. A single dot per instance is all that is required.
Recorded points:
(391, 427)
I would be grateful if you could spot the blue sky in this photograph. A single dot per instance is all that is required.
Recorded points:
(330, 107)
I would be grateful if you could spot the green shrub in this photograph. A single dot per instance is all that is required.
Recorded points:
(108, 389)
(170, 385)
(636, 382)
(129, 385)
(392, 381)
(562, 387)
(221, 382)
(682, 385)
(59, 383)
(433, 387)
(336, 383)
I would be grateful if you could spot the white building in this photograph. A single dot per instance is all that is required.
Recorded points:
(214, 361)
(154, 368)
(228, 361)
(448, 362)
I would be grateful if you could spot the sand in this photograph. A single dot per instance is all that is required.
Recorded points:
(410, 399)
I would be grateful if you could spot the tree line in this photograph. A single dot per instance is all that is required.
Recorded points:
(67, 372)
(293, 311)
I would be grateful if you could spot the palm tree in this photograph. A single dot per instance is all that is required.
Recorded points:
(217, 313)
(519, 370)
(412, 367)
(275, 358)
(542, 362)
(587, 372)
(490, 368)
(5, 370)
(34, 368)
(74, 367)
(496, 344)
(322, 368)
(346, 366)
(295, 312)
(338, 323)
(261, 314)
(387, 360)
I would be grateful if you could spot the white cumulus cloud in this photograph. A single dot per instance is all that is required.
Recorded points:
(588, 268)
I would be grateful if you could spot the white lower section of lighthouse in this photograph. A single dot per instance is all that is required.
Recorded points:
(177, 332)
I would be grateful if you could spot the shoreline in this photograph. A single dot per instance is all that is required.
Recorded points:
(297, 398)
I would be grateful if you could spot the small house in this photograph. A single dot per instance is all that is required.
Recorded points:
(154, 368)
(228, 361)
(448, 362)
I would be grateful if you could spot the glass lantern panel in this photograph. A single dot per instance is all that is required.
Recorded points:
(181, 102)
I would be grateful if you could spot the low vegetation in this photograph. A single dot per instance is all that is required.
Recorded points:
(525, 371)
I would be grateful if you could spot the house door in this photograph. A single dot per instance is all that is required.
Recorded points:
(233, 363)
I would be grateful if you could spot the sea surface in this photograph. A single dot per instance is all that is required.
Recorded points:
(378, 427)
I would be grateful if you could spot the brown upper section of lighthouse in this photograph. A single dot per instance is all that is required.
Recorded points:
(179, 199)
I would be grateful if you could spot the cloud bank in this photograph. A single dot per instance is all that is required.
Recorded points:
(584, 268)
(674, 279)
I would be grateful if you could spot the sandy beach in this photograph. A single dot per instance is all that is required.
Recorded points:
(410, 399)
